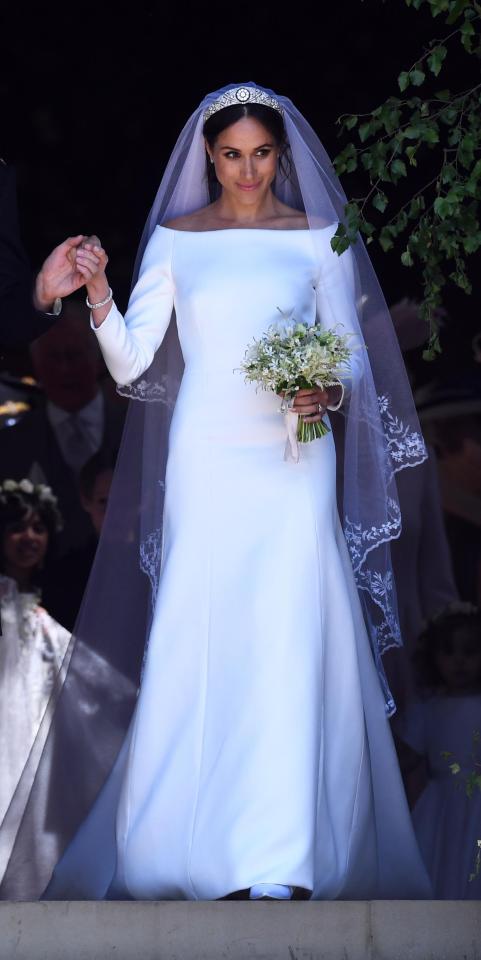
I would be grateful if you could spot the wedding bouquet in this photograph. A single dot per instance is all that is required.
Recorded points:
(292, 356)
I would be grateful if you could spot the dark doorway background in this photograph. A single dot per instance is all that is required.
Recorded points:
(94, 96)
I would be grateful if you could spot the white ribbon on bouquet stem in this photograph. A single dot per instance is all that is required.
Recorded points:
(291, 420)
(291, 452)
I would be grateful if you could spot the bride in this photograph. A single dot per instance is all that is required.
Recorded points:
(257, 759)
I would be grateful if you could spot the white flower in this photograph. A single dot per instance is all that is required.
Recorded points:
(26, 486)
(9, 485)
(45, 494)
(290, 354)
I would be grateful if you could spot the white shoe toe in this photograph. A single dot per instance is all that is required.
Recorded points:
(277, 890)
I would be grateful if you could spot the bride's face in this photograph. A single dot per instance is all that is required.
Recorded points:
(245, 156)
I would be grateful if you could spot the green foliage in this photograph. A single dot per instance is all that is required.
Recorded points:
(472, 783)
(438, 226)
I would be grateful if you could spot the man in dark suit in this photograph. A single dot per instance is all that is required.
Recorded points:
(68, 577)
(52, 442)
(28, 308)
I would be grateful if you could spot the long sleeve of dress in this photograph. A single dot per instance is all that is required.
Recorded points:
(129, 343)
(336, 299)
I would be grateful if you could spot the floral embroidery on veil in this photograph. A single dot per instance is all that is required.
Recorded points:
(406, 447)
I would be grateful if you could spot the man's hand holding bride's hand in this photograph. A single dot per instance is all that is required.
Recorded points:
(58, 276)
(76, 262)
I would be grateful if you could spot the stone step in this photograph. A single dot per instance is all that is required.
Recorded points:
(241, 930)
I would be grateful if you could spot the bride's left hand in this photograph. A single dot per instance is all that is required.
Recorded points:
(306, 404)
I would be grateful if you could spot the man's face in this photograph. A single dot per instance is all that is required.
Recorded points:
(96, 505)
(459, 661)
(66, 364)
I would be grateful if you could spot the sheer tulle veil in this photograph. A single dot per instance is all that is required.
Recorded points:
(377, 435)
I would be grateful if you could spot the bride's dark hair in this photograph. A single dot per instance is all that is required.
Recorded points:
(269, 118)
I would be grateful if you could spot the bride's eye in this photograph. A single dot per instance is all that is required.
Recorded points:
(234, 154)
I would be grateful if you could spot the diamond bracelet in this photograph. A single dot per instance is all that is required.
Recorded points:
(101, 303)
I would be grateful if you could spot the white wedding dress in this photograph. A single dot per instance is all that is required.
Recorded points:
(259, 750)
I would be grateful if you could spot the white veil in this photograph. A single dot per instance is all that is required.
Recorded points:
(378, 435)
(381, 432)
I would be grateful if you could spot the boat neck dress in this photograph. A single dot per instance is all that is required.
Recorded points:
(259, 750)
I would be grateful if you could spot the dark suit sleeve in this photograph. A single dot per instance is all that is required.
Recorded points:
(19, 321)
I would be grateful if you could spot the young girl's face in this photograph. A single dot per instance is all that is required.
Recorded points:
(459, 661)
(24, 546)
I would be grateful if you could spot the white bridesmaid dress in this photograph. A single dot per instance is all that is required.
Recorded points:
(33, 649)
(259, 750)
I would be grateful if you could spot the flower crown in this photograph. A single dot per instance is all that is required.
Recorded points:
(456, 607)
(40, 491)
(241, 95)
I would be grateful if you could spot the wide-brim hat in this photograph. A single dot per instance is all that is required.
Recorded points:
(445, 398)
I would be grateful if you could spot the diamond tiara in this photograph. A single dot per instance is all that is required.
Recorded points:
(240, 95)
